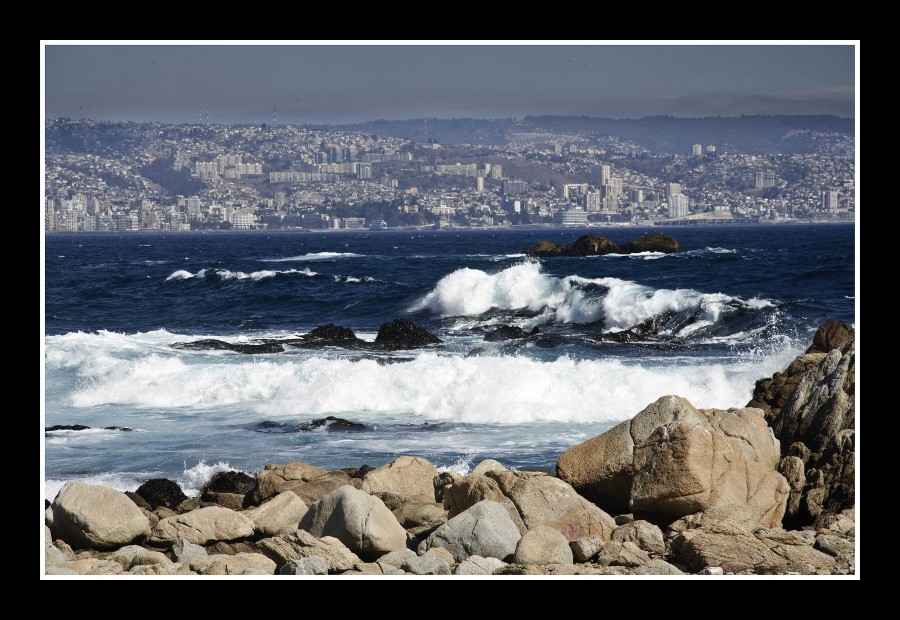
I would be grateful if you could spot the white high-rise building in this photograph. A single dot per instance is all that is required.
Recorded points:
(679, 205)
(600, 175)
(672, 189)
(697, 150)
(831, 200)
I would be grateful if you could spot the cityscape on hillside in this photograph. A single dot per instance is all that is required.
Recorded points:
(112, 176)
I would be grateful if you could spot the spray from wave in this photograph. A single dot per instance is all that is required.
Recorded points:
(504, 389)
(619, 304)
(312, 256)
(225, 274)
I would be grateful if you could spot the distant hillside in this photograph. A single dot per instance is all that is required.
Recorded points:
(746, 134)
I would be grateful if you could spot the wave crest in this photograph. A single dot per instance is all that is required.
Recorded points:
(619, 304)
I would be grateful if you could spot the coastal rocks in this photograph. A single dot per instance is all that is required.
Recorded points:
(584, 549)
(185, 551)
(202, 526)
(228, 489)
(399, 334)
(331, 423)
(487, 465)
(627, 554)
(313, 565)
(654, 242)
(672, 460)
(736, 548)
(161, 492)
(485, 529)
(545, 500)
(212, 344)
(811, 408)
(411, 476)
(509, 332)
(302, 544)
(644, 534)
(833, 335)
(465, 493)
(414, 514)
(96, 517)
(359, 520)
(329, 336)
(403, 334)
(237, 564)
(279, 516)
(593, 245)
(477, 565)
(543, 545)
(82, 427)
(275, 478)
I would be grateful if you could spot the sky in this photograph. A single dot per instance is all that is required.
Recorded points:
(346, 82)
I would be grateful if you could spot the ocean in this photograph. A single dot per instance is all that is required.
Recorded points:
(616, 332)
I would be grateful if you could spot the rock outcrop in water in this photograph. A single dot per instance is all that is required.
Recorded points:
(811, 408)
(594, 245)
(398, 335)
(509, 332)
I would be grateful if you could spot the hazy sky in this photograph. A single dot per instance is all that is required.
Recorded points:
(346, 82)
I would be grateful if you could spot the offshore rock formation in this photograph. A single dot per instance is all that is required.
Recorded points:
(593, 245)
(399, 334)
(811, 408)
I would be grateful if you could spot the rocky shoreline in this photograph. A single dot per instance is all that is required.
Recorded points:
(764, 489)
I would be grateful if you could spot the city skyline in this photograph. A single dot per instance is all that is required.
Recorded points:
(345, 82)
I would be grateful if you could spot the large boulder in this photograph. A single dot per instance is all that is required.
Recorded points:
(548, 249)
(403, 334)
(406, 475)
(228, 488)
(616, 553)
(543, 545)
(485, 529)
(202, 526)
(477, 565)
(811, 407)
(161, 492)
(276, 478)
(673, 460)
(415, 514)
(237, 564)
(279, 516)
(735, 547)
(97, 517)
(654, 242)
(312, 565)
(642, 533)
(302, 544)
(359, 520)
(545, 500)
(467, 492)
(592, 245)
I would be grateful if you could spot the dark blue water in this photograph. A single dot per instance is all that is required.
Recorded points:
(735, 304)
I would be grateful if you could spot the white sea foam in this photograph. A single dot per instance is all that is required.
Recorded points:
(573, 299)
(193, 478)
(312, 256)
(227, 274)
(181, 274)
(113, 480)
(488, 389)
(641, 255)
